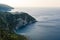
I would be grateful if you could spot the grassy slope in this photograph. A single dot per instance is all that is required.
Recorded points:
(6, 35)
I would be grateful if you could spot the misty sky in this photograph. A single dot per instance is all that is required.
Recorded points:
(31, 3)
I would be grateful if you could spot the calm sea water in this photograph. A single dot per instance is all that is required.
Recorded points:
(47, 27)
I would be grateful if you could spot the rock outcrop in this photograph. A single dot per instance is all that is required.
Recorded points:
(23, 19)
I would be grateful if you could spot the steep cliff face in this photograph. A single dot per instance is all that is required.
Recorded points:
(15, 21)
(10, 22)
(23, 19)
(7, 19)
(7, 24)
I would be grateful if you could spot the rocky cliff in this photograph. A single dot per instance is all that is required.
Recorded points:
(23, 19)
(10, 22)
(15, 21)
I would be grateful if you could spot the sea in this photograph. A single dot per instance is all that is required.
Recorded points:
(47, 26)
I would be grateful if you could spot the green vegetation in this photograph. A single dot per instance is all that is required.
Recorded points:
(8, 23)
(6, 35)
(6, 29)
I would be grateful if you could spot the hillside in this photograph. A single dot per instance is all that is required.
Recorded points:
(10, 22)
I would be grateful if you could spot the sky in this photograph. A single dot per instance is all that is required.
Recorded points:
(31, 3)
